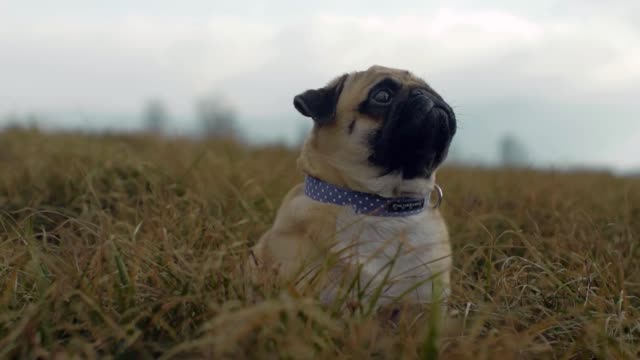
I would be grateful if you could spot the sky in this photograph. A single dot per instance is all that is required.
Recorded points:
(561, 76)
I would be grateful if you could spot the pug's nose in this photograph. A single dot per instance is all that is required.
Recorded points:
(416, 92)
(419, 96)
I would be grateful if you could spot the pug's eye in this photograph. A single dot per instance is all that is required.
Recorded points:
(382, 97)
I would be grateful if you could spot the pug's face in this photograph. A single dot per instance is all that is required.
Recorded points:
(382, 130)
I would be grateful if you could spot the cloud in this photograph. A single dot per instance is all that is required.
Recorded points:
(503, 49)
(565, 83)
(116, 63)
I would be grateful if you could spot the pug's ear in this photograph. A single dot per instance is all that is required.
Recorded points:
(320, 104)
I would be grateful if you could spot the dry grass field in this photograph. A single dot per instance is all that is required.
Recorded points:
(128, 247)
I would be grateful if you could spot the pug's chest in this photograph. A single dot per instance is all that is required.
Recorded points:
(399, 253)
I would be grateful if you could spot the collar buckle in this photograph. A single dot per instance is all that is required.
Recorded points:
(439, 195)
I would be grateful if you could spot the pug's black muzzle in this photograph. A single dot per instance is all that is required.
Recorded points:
(415, 137)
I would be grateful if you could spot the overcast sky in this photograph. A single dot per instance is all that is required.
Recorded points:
(564, 76)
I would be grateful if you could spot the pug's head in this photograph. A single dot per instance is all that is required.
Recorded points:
(382, 130)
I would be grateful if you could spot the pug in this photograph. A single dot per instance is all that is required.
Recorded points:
(364, 227)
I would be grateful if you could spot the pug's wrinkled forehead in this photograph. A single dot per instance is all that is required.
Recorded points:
(360, 84)
(377, 73)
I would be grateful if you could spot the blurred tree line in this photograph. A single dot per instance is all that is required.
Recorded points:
(513, 153)
(215, 116)
(155, 116)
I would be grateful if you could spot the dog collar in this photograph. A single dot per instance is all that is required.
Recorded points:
(365, 203)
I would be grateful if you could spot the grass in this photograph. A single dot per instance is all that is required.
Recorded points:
(130, 247)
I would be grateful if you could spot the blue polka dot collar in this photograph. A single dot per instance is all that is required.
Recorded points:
(365, 203)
